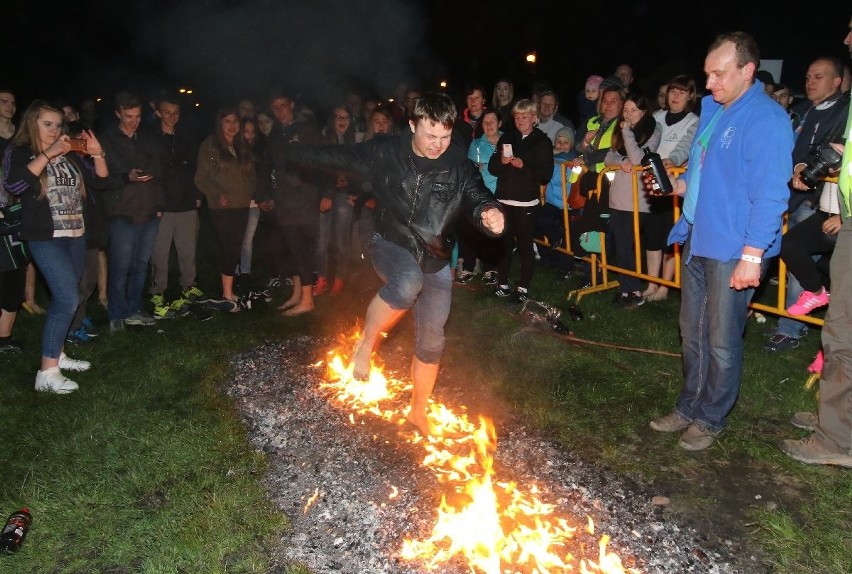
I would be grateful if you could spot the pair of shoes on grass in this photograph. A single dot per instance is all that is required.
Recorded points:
(628, 300)
(695, 437)
(168, 310)
(779, 343)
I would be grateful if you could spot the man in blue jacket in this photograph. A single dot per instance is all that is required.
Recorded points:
(735, 196)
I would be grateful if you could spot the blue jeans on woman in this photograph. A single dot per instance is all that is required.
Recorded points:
(336, 224)
(712, 323)
(428, 295)
(61, 262)
(244, 267)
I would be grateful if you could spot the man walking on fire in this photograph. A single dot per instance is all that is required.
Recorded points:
(423, 183)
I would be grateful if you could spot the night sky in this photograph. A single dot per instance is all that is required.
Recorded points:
(226, 49)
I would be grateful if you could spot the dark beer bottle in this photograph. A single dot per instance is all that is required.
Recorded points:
(657, 180)
(15, 530)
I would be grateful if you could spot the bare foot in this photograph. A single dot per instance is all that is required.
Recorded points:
(33, 307)
(652, 288)
(288, 304)
(422, 423)
(659, 295)
(298, 309)
(361, 362)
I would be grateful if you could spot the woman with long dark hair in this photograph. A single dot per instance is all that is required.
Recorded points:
(48, 171)
(638, 130)
(336, 208)
(226, 176)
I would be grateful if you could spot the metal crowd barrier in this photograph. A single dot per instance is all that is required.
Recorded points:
(598, 261)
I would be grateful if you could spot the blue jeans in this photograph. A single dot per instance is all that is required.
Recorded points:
(787, 326)
(130, 248)
(712, 322)
(335, 223)
(61, 261)
(244, 268)
(428, 295)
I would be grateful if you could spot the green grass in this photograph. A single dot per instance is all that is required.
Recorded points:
(147, 469)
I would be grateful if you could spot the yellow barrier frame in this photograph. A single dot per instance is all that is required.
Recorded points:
(600, 260)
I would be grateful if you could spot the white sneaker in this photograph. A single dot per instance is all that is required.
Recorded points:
(52, 381)
(69, 364)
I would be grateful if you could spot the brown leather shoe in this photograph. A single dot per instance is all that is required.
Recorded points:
(805, 420)
(697, 437)
(672, 422)
(809, 451)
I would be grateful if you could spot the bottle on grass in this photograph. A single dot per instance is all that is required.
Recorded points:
(15, 530)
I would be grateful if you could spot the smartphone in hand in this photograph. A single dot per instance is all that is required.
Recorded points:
(78, 144)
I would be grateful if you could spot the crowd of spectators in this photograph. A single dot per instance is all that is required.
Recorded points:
(101, 204)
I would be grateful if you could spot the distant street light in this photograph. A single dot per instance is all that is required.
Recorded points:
(443, 85)
(531, 57)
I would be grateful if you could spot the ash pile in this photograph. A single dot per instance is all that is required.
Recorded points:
(354, 488)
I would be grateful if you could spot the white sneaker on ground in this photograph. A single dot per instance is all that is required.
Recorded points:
(53, 381)
(69, 364)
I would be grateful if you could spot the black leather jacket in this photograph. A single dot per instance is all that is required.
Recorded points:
(419, 200)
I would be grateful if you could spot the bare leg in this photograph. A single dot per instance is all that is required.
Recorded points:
(30, 289)
(380, 318)
(228, 287)
(668, 273)
(48, 363)
(295, 297)
(655, 259)
(7, 321)
(424, 376)
(305, 304)
(102, 278)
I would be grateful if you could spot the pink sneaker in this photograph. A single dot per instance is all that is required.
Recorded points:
(816, 366)
(808, 302)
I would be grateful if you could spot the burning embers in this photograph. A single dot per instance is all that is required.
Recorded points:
(495, 526)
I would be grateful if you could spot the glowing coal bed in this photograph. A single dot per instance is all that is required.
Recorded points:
(367, 494)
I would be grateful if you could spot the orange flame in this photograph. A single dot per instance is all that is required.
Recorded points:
(313, 498)
(492, 524)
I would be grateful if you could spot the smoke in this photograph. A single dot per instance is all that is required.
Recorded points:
(317, 49)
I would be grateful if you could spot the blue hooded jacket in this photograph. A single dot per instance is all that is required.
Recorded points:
(743, 180)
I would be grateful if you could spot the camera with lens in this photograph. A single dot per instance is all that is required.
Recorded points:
(819, 162)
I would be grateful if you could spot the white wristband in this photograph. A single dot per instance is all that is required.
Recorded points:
(751, 258)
